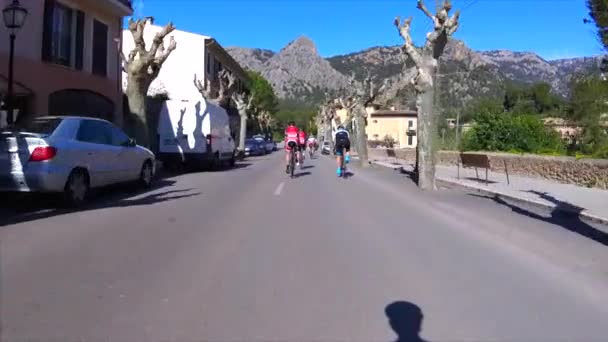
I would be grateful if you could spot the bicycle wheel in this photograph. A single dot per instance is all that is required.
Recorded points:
(292, 163)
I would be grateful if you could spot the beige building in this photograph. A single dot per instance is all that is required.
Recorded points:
(400, 125)
(567, 130)
(66, 58)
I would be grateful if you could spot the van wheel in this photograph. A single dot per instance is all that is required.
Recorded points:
(76, 188)
(146, 174)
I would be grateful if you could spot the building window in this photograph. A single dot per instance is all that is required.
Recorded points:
(410, 140)
(208, 64)
(100, 48)
(220, 67)
(63, 35)
(375, 121)
(410, 123)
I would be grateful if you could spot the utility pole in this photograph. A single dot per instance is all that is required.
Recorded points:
(458, 129)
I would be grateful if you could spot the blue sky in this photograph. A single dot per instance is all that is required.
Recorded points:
(552, 28)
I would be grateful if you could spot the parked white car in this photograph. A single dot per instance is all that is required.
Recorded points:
(71, 155)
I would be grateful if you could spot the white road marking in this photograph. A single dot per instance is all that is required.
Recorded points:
(277, 192)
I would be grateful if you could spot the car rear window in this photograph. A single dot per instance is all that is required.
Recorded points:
(40, 126)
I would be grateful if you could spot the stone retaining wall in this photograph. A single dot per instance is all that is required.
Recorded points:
(569, 170)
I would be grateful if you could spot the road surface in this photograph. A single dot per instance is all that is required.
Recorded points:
(250, 255)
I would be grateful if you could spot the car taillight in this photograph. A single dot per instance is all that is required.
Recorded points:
(43, 153)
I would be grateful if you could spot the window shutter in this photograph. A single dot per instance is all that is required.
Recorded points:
(47, 33)
(79, 40)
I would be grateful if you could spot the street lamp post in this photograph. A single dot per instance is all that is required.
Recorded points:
(14, 17)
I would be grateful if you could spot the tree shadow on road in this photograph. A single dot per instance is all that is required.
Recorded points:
(28, 208)
(405, 318)
(569, 219)
(182, 169)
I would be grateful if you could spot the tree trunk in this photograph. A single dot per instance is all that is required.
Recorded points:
(243, 132)
(361, 140)
(426, 131)
(138, 122)
(327, 131)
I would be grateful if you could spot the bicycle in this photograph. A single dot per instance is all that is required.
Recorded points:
(292, 159)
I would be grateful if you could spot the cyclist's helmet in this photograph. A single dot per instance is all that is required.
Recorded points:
(340, 127)
(291, 123)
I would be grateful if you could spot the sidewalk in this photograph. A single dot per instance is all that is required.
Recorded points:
(587, 202)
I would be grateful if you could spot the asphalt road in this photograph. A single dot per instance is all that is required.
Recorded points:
(250, 255)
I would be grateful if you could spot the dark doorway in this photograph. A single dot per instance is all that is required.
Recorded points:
(81, 102)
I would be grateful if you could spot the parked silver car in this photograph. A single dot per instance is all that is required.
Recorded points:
(70, 155)
(326, 147)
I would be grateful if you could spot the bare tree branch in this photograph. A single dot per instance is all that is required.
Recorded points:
(157, 42)
(243, 101)
(421, 6)
(226, 83)
(164, 54)
(207, 90)
(405, 32)
(124, 63)
(137, 31)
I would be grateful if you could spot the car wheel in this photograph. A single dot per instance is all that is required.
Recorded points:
(146, 175)
(76, 188)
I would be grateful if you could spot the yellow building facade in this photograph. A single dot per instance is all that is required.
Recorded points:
(400, 125)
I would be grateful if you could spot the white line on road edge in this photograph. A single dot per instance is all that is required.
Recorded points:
(277, 192)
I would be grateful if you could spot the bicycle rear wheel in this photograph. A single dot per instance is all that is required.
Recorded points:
(292, 163)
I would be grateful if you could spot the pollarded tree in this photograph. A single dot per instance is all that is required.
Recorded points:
(426, 61)
(244, 105)
(219, 90)
(363, 96)
(142, 67)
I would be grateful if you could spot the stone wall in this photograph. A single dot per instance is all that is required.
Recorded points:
(569, 170)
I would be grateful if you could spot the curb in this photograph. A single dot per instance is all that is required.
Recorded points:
(583, 214)
(453, 184)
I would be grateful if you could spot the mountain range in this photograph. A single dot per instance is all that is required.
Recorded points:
(298, 73)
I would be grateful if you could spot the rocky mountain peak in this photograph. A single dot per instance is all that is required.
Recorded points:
(301, 45)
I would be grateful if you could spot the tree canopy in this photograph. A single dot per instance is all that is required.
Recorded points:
(264, 98)
(598, 11)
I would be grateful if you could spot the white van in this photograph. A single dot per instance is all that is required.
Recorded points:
(195, 132)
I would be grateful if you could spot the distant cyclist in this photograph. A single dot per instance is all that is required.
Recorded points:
(312, 145)
(291, 142)
(302, 141)
(342, 147)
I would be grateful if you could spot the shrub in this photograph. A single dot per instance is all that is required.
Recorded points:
(515, 133)
(388, 141)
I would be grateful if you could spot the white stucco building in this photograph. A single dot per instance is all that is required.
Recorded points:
(195, 54)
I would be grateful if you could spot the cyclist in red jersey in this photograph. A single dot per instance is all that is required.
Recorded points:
(291, 142)
(302, 142)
